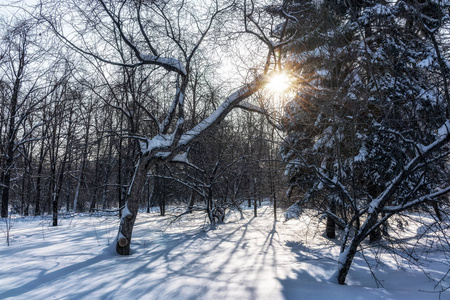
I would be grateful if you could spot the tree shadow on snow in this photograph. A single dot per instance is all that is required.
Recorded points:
(47, 278)
(311, 276)
(169, 253)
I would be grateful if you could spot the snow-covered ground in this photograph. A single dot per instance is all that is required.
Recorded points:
(253, 258)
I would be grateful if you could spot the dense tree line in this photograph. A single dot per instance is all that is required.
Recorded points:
(72, 126)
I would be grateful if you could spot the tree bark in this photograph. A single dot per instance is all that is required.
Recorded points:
(346, 260)
(375, 235)
(191, 202)
(12, 133)
(5, 194)
(348, 253)
(131, 207)
(330, 230)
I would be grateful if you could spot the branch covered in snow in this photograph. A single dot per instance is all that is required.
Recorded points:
(442, 138)
(165, 146)
(420, 200)
(293, 212)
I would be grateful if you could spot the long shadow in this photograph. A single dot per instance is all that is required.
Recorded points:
(46, 279)
(164, 253)
(308, 282)
(174, 242)
(46, 232)
(309, 277)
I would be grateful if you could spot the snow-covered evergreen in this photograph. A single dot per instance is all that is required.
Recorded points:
(377, 101)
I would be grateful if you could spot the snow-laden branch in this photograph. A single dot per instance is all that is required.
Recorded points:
(253, 108)
(442, 138)
(339, 221)
(183, 159)
(134, 176)
(331, 182)
(170, 63)
(165, 146)
(428, 197)
(224, 109)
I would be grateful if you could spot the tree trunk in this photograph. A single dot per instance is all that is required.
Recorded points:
(7, 169)
(162, 205)
(252, 196)
(331, 224)
(107, 170)
(330, 228)
(76, 204)
(55, 208)
(42, 154)
(348, 253)
(191, 202)
(210, 205)
(22, 194)
(37, 205)
(119, 177)
(68, 187)
(345, 260)
(131, 207)
(28, 191)
(159, 192)
(11, 135)
(104, 194)
(435, 206)
(274, 206)
(5, 194)
(97, 179)
(375, 235)
(151, 193)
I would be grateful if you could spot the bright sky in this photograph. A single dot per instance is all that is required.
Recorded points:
(10, 8)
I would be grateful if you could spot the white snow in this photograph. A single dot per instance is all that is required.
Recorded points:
(362, 155)
(125, 211)
(442, 134)
(182, 158)
(158, 141)
(443, 131)
(293, 212)
(253, 258)
(171, 62)
(426, 63)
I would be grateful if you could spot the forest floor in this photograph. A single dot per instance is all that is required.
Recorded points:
(250, 258)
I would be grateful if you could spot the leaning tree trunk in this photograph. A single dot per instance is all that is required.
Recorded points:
(375, 234)
(349, 251)
(346, 259)
(130, 209)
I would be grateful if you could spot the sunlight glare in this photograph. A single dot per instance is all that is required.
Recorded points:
(278, 84)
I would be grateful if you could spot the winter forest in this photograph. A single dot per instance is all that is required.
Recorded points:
(225, 149)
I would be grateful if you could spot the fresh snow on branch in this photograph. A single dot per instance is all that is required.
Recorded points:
(167, 142)
(170, 62)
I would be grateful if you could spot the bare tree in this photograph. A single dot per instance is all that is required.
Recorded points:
(24, 92)
(166, 37)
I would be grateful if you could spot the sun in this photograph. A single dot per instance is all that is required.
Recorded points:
(279, 83)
